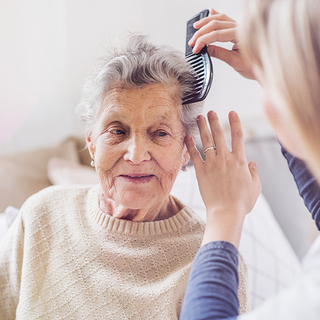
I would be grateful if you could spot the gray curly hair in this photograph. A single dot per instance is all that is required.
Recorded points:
(134, 65)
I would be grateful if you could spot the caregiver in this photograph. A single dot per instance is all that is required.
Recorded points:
(278, 44)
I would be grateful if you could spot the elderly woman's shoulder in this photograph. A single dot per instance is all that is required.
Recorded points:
(53, 195)
(62, 189)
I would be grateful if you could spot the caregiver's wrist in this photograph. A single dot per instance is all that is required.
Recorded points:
(223, 225)
(226, 214)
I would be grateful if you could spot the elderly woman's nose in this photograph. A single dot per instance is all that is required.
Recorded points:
(137, 150)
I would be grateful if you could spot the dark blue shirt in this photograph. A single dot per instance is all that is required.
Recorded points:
(308, 186)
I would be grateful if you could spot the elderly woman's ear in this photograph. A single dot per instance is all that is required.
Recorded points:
(90, 145)
(186, 156)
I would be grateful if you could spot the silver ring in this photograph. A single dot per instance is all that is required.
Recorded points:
(210, 148)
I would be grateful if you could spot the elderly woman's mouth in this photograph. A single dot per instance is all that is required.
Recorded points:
(137, 177)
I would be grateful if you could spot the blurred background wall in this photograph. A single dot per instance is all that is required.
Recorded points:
(49, 47)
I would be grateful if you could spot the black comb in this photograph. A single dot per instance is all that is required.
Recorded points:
(200, 63)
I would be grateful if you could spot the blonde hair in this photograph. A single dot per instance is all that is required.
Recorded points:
(282, 37)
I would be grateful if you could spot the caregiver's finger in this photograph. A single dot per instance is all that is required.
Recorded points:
(205, 134)
(222, 15)
(217, 133)
(225, 35)
(193, 152)
(213, 11)
(237, 142)
(214, 14)
(210, 27)
(228, 56)
(234, 59)
(207, 20)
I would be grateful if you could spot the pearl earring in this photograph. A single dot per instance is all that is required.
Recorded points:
(92, 163)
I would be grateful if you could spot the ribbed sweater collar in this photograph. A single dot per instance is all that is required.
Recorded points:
(125, 227)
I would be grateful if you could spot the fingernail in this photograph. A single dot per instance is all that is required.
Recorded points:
(213, 115)
(188, 137)
(196, 23)
(189, 42)
(200, 116)
(233, 114)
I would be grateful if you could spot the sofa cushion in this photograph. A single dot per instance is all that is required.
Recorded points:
(23, 174)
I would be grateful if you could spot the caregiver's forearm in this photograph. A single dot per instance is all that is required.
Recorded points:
(213, 284)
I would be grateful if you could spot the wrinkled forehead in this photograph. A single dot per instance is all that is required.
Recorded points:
(153, 102)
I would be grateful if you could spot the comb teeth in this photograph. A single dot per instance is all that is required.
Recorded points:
(196, 62)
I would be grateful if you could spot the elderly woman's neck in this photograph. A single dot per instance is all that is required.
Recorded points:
(162, 211)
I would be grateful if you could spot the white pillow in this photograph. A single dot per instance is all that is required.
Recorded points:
(281, 192)
(272, 263)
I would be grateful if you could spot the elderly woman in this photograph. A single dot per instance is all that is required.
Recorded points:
(122, 249)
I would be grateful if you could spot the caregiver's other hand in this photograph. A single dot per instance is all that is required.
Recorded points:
(219, 27)
(228, 185)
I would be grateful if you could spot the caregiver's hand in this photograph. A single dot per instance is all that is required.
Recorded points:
(219, 27)
(228, 185)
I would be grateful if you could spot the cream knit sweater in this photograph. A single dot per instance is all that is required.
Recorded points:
(63, 258)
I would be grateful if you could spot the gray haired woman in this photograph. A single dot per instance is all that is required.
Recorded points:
(121, 249)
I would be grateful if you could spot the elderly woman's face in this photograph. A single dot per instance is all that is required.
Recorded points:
(138, 146)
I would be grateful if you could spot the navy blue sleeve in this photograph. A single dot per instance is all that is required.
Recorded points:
(212, 290)
(308, 186)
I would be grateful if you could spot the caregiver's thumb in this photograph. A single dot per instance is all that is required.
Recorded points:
(254, 173)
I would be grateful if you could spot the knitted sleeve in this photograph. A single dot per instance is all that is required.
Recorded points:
(11, 255)
(243, 295)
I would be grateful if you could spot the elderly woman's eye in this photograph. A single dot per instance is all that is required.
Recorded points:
(161, 133)
(118, 132)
